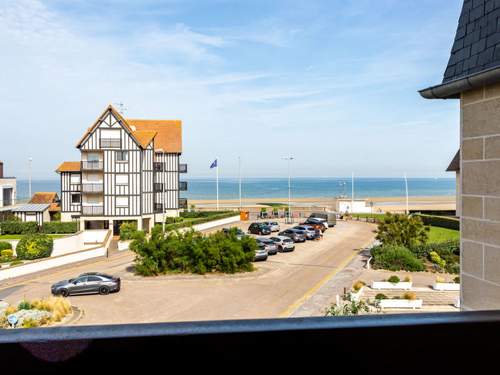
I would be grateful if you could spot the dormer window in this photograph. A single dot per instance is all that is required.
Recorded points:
(110, 138)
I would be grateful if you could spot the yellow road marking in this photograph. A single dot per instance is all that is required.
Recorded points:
(294, 306)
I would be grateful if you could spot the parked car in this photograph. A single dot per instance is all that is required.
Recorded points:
(87, 283)
(294, 234)
(329, 217)
(239, 233)
(274, 225)
(269, 245)
(321, 223)
(311, 233)
(259, 228)
(283, 243)
(260, 253)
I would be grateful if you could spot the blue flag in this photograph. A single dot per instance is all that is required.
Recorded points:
(214, 164)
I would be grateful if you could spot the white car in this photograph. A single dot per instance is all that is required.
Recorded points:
(284, 243)
(318, 220)
(275, 226)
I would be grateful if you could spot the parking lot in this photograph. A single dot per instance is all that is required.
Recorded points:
(277, 287)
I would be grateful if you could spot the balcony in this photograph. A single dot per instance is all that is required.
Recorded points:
(158, 207)
(92, 210)
(183, 185)
(92, 165)
(110, 143)
(183, 168)
(92, 188)
(183, 203)
(158, 186)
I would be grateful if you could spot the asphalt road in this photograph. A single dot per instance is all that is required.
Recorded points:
(278, 286)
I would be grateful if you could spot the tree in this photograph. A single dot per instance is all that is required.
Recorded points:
(402, 230)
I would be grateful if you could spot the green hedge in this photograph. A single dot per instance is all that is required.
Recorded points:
(60, 227)
(440, 221)
(214, 215)
(395, 258)
(18, 227)
(34, 246)
(5, 245)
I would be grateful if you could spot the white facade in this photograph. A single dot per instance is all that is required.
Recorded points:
(121, 178)
(356, 206)
(7, 192)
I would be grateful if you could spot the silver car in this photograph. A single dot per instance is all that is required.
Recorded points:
(310, 232)
(260, 253)
(274, 225)
(269, 245)
(283, 243)
(87, 283)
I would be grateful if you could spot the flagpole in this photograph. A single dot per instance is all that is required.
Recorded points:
(352, 193)
(407, 200)
(217, 181)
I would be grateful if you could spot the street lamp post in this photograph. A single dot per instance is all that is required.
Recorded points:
(30, 159)
(289, 218)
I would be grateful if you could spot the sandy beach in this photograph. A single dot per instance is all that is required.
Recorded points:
(380, 204)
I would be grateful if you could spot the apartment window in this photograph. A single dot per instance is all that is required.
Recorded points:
(110, 138)
(121, 201)
(75, 178)
(122, 179)
(75, 198)
(121, 156)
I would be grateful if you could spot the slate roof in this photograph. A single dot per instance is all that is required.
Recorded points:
(455, 163)
(477, 41)
(31, 208)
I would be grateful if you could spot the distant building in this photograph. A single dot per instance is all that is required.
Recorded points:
(356, 206)
(50, 198)
(455, 167)
(7, 189)
(129, 171)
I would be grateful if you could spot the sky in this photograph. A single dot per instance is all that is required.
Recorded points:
(333, 83)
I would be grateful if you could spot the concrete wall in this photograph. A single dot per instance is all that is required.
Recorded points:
(360, 206)
(480, 198)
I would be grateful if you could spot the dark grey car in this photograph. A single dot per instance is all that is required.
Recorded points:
(87, 283)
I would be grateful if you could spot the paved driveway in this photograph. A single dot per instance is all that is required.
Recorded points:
(276, 289)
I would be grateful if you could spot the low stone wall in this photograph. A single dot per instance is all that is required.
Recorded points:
(57, 261)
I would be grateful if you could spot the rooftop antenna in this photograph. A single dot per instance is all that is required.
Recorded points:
(121, 108)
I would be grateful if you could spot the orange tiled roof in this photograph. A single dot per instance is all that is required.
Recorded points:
(44, 197)
(144, 137)
(69, 166)
(54, 207)
(169, 133)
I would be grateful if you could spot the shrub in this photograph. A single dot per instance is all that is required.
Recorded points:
(436, 259)
(127, 230)
(380, 296)
(18, 227)
(6, 256)
(395, 258)
(407, 279)
(193, 252)
(34, 246)
(402, 230)
(198, 218)
(440, 221)
(24, 305)
(358, 285)
(394, 279)
(5, 246)
(54, 227)
(349, 307)
(30, 323)
(440, 279)
(457, 280)
(58, 306)
(410, 296)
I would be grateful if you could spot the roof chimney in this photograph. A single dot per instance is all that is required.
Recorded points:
(1, 169)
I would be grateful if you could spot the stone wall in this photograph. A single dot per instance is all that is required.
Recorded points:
(480, 198)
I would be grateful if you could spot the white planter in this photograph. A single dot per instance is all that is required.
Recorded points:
(357, 295)
(446, 287)
(123, 245)
(401, 304)
(387, 285)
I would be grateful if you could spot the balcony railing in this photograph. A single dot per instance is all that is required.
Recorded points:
(158, 207)
(183, 185)
(110, 143)
(92, 210)
(183, 168)
(158, 167)
(92, 165)
(92, 188)
(183, 203)
(158, 186)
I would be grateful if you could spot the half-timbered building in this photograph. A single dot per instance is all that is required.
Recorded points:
(129, 171)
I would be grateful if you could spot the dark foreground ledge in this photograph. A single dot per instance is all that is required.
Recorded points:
(424, 343)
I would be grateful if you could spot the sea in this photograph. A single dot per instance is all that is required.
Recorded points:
(301, 187)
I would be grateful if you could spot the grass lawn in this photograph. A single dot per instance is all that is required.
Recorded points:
(437, 234)
(18, 236)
